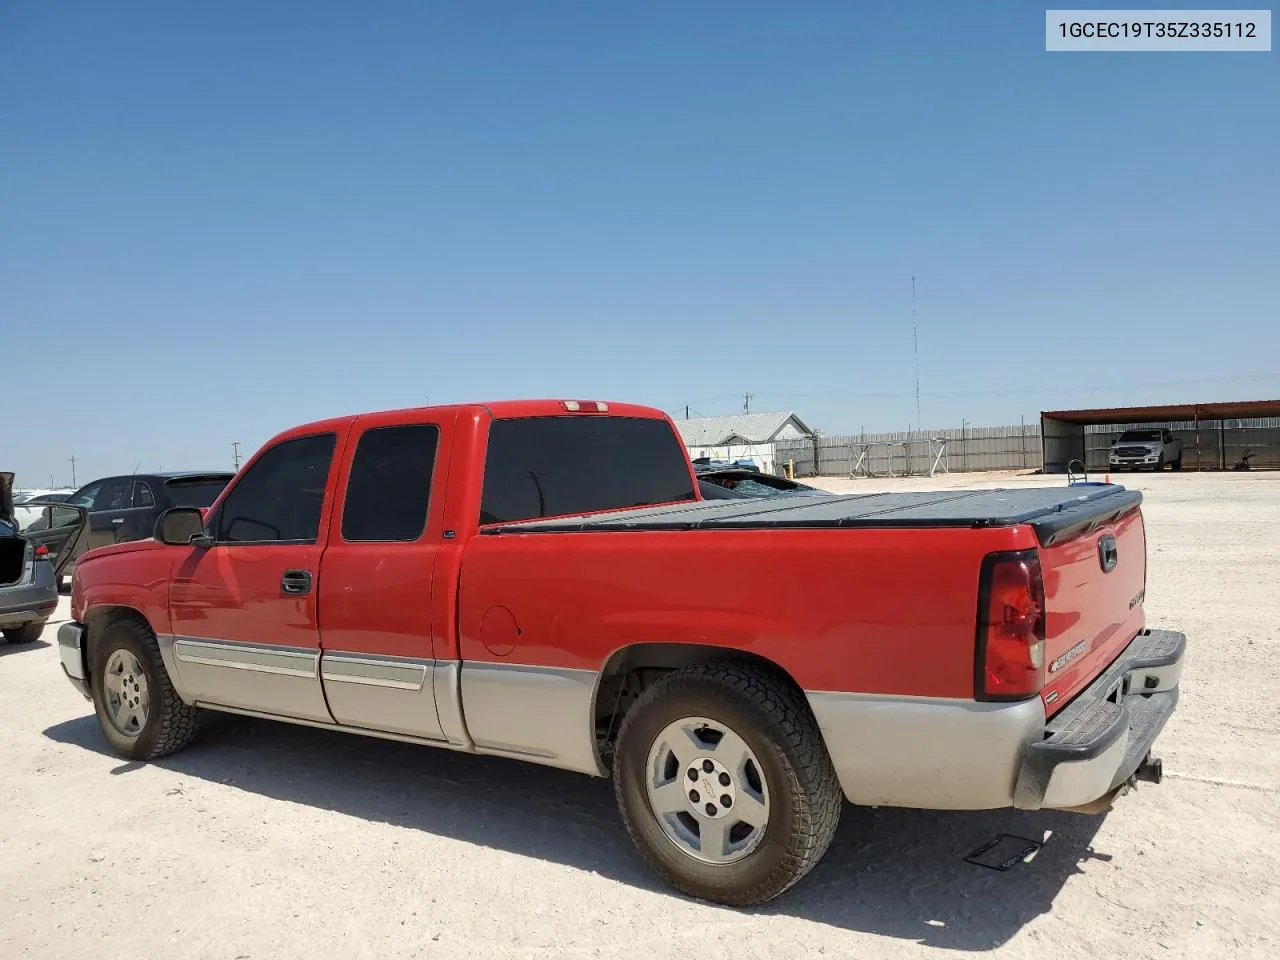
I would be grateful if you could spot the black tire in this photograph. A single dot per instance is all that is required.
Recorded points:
(170, 723)
(775, 722)
(1176, 464)
(27, 633)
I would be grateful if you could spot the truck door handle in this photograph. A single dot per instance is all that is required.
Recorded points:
(296, 583)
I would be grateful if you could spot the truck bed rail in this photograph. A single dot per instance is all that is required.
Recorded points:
(1053, 512)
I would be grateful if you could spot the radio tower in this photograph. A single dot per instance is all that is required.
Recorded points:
(915, 347)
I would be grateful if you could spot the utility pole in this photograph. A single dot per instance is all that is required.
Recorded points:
(686, 411)
(73, 471)
(915, 346)
(235, 453)
(746, 402)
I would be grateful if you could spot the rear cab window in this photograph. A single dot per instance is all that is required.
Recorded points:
(564, 465)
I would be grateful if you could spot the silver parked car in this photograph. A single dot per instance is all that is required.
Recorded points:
(37, 539)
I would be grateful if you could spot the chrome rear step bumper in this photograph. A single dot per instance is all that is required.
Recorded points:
(1099, 744)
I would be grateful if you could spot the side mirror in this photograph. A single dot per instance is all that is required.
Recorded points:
(181, 527)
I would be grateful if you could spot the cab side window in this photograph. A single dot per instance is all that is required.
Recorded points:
(390, 484)
(279, 498)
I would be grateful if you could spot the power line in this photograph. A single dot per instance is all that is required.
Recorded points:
(1117, 386)
(988, 393)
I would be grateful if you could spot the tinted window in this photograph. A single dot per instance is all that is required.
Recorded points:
(390, 484)
(280, 496)
(114, 495)
(142, 494)
(1139, 436)
(197, 492)
(552, 466)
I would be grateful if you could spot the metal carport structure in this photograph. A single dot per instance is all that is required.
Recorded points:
(1214, 435)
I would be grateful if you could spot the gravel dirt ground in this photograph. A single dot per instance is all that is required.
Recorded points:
(269, 841)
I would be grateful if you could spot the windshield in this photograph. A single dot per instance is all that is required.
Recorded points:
(196, 492)
(1139, 436)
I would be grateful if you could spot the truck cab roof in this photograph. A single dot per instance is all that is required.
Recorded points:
(495, 410)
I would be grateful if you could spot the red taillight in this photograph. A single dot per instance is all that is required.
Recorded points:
(42, 552)
(1010, 627)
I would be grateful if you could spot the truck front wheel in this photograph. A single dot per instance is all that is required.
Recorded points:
(140, 713)
(725, 784)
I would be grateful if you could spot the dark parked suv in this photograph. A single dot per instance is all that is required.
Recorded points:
(126, 508)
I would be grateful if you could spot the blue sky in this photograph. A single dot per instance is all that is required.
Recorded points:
(219, 220)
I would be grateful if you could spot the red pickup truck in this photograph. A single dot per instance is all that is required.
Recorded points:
(542, 580)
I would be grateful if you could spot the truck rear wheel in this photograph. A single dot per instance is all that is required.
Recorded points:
(725, 784)
(140, 713)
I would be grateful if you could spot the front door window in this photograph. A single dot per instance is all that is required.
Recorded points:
(279, 498)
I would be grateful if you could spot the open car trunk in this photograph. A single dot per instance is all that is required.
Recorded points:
(13, 551)
(59, 527)
(12, 547)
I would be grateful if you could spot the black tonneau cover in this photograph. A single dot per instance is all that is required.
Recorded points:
(1052, 512)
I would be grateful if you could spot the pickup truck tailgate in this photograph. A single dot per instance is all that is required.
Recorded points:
(1094, 583)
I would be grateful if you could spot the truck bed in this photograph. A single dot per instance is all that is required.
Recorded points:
(1053, 512)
